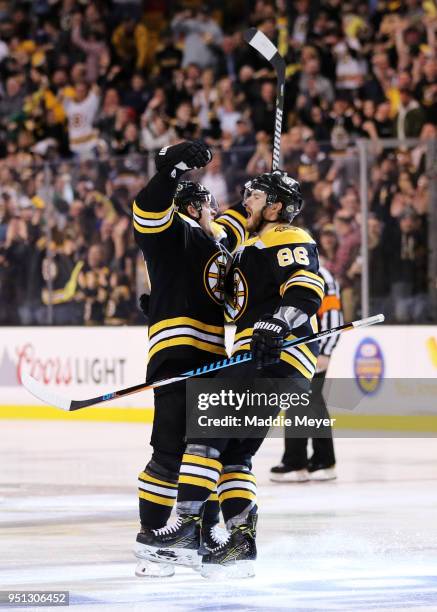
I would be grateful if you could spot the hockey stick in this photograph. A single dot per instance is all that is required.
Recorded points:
(46, 395)
(259, 41)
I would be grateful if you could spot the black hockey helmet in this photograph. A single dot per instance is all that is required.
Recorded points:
(279, 187)
(196, 194)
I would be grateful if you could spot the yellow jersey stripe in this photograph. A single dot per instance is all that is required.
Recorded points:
(305, 349)
(197, 482)
(239, 493)
(237, 216)
(153, 230)
(236, 475)
(212, 463)
(187, 341)
(291, 284)
(242, 347)
(232, 227)
(177, 321)
(156, 499)
(150, 215)
(311, 275)
(246, 332)
(146, 478)
(296, 364)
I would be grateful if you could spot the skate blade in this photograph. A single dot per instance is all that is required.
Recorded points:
(176, 556)
(323, 475)
(152, 569)
(295, 477)
(238, 569)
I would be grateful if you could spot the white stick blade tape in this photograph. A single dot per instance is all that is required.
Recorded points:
(369, 321)
(42, 393)
(263, 45)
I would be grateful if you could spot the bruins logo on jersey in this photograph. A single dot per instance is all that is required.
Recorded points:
(214, 277)
(237, 302)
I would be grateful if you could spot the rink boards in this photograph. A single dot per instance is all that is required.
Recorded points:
(81, 362)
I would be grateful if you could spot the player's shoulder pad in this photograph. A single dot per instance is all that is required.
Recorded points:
(284, 235)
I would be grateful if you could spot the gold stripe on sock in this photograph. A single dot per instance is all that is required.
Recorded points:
(146, 477)
(212, 463)
(164, 501)
(213, 497)
(197, 482)
(236, 494)
(237, 476)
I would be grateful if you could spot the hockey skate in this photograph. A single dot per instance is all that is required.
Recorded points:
(176, 543)
(211, 536)
(282, 473)
(233, 558)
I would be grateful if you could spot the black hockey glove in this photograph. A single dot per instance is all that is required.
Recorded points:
(182, 157)
(267, 340)
(144, 304)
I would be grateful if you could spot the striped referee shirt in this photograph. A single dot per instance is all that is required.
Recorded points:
(330, 313)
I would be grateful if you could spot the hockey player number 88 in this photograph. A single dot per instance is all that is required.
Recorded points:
(299, 255)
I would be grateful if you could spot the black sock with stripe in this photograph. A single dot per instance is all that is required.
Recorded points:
(211, 510)
(157, 492)
(237, 493)
(198, 478)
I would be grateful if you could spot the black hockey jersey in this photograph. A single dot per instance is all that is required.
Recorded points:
(278, 268)
(187, 270)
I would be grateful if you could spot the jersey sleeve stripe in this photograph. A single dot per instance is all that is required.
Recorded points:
(310, 365)
(309, 274)
(165, 323)
(245, 332)
(231, 212)
(296, 363)
(236, 219)
(151, 215)
(301, 283)
(154, 222)
(152, 230)
(304, 349)
(236, 229)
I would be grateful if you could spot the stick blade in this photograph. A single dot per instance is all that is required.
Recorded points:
(379, 318)
(259, 41)
(42, 393)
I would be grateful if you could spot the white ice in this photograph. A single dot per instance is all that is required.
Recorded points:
(68, 520)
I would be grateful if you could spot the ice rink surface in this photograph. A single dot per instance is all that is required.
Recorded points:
(68, 520)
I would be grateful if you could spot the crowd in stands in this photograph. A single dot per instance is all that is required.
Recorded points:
(90, 90)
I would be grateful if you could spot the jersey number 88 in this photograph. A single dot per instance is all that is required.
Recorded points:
(299, 255)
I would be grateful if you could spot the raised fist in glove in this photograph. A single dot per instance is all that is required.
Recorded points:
(185, 156)
(267, 340)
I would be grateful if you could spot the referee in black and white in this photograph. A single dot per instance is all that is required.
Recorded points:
(296, 466)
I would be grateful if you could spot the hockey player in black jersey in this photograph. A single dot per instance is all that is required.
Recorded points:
(277, 292)
(186, 253)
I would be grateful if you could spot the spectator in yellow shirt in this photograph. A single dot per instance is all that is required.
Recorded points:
(130, 40)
